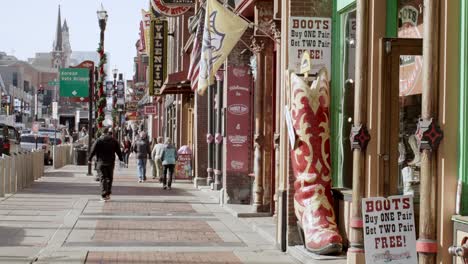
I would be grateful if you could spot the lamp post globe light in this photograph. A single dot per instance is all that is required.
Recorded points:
(101, 103)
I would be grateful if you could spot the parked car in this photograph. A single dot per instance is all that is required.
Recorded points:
(30, 142)
(9, 139)
(53, 135)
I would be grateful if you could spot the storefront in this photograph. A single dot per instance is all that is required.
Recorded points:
(382, 87)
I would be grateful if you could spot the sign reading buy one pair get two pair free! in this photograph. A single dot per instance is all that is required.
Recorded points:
(74, 82)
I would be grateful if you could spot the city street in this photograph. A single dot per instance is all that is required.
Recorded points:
(61, 219)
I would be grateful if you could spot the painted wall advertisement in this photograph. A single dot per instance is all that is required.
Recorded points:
(311, 34)
(389, 230)
(238, 116)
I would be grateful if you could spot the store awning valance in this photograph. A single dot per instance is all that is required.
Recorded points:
(176, 83)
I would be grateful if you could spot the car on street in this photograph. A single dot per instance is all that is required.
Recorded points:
(31, 142)
(9, 139)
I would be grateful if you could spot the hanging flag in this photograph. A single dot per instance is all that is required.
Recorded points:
(146, 28)
(196, 51)
(222, 30)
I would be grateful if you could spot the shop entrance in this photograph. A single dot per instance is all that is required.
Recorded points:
(400, 109)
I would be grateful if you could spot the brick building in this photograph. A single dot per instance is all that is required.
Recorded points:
(355, 39)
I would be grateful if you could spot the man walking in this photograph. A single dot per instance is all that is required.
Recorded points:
(169, 158)
(156, 154)
(143, 152)
(105, 149)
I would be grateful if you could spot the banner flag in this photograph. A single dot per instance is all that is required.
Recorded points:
(222, 31)
(196, 52)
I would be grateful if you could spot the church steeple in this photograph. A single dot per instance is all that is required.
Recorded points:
(65, 26)
(58, 33)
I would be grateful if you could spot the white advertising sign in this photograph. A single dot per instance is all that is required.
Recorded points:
(312, 34)
(389, 230)
(54, 110)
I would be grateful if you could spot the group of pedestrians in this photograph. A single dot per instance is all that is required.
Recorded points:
(162, 157)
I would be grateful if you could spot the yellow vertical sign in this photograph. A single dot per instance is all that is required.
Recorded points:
(158, 56)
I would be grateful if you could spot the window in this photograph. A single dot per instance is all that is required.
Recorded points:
(15, 79)
(344, 162)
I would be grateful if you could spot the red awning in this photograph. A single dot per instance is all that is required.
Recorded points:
(176, 83)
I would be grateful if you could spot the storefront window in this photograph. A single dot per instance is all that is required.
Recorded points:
(346, 111)
(410, 25)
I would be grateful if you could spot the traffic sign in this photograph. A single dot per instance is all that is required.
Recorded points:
(35, 127)
(53, 83)
(74, 82)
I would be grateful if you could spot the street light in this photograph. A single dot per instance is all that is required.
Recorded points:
(102, 19)
(115, 71)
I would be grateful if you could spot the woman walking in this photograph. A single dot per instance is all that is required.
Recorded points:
(143, 152)
(126, 146)
(168, 158)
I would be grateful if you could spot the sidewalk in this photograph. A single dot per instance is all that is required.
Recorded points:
(61, 220)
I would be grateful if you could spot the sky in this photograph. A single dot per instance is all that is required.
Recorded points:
(29, 26)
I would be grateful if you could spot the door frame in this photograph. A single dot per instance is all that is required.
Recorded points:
(388, 108)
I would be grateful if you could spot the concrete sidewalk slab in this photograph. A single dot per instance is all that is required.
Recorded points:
(60, 219)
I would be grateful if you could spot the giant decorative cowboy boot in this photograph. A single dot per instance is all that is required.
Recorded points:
(311, 164)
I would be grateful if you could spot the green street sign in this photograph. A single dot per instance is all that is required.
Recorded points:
(74, 82)
(53, 83)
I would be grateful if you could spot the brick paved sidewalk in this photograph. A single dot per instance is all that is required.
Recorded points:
(61, 220)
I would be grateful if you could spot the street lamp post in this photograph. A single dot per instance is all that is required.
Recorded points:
(102, 18)
(115, 71)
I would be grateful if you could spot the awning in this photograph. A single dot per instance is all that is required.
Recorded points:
(145, 100)
(177, 83)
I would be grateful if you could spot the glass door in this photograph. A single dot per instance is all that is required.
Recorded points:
(400, 110)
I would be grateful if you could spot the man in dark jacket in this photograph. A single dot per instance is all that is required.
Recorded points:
(105, 149)
(143, 152)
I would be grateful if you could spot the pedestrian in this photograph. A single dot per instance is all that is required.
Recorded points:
(156, 154)
(126, 146)
(169, 158)
(105, 149)
(142, 149)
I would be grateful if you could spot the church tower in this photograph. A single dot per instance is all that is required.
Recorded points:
(57, 51)
(66, 47)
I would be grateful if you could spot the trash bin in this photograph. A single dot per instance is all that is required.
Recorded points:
(80, 155)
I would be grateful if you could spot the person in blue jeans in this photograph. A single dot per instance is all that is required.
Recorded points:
(168, 158)
(142, 149)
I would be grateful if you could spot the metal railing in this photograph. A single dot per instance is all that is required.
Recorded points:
(19, 170)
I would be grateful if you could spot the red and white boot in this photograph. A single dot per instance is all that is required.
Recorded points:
(310, 158)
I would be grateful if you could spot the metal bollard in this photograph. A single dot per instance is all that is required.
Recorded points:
(55, 157)
(19, 171)
(41, 164)
(2, 177)
(6, 169)
(14, 182)
(35, 167)
(29, 165)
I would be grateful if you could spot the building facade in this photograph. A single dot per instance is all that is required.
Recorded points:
(397, 113)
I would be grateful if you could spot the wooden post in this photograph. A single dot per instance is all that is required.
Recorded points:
(268, 123)
(218, 170)
(427, 244)
(356, 251)
(276, 138)
(259, 125)
(210, 135)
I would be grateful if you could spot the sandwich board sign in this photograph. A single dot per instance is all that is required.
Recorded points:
(389, 230)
